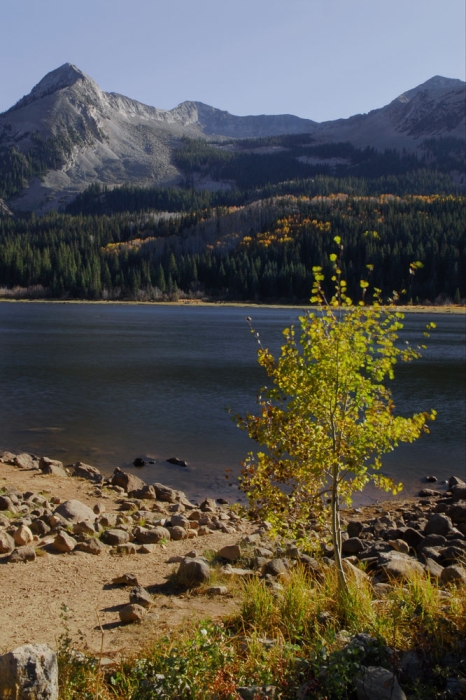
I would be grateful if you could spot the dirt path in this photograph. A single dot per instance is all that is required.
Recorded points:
(72, 594)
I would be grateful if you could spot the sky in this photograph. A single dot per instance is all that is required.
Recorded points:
(319, 59)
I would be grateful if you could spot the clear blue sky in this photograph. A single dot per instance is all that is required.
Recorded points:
(320, 59)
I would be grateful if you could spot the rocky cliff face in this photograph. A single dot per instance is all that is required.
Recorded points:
(85, 135)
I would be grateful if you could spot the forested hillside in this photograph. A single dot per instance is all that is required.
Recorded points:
(244, 245)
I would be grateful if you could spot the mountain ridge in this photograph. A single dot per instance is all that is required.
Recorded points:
(74, 133)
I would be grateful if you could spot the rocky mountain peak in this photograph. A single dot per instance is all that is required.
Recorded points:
(435, 85)
(65, 76)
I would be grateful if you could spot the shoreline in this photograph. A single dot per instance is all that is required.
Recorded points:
(422, 309)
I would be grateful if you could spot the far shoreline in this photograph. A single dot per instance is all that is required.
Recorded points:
(421, 309)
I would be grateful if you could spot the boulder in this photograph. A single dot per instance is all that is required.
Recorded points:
(115, 537)
(85, 471)
(352, 571)
(455, 481)
(128, 548)
(74, 511)
(91, 546)
(64, 543)
(399, 546)
(411, 536)
(128, 482)
(29, 672)
(193, 572)
(128, 579)
(231, 552)
(453, 574)
(39, 527)
(26, 461)
(7, 543)
(376, 683)
(353, 545)
(22, 536)
(146, 493)
(400, 567)
(208, 505)
(354, 528)
(139, 596)
(8, 457)
(177, 533)
(52, 466)
(22, 554)
(451, 555)
(433, 569)
(164, 493)
(438, 524)
(458, 492)
(132, 613)
(274, 567)
(151, 536)
(7, 504)
(431, 541)
(457, 512)
(177, 462)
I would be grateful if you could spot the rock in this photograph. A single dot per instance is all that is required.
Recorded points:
(433, 569)
(147, 493)
(22, 554)
(457, 512)
(74, 511)
(115, 537)
(132, 613)
(431, 541)
(85, 471)
(128, 482)
(128, 579)
(7, 504)
(139, 596)
(217, 590)
(146, 549)
(438, 524)
(376, 683)
(232, 571)
(177, 533)
(64, 543)
(7, 543)
(25, 461)
(29, 672)
(400, 568)
(274, 567)
(431, 479)
(411, 666)
(52, 466)
(152, 536)
(428, 493)
(39, 527)
(208, 505)
(455, 481)
(84, 528)
(192, 572)
(129, 548)
(180, 520)
(458, 492)
(107, 520)
(450, 555)
(453, 574)
(352, 570)
(23, 536)
(456, 688)
(257, 692)
(164, 493)
(91, 546)
(178, 462)
(411, 536)
(353, 545)
(8, 457)
(139, 462)
(203, 530)
(231, 552)
(399, 546)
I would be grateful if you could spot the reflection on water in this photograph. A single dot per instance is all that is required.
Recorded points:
(105, 384)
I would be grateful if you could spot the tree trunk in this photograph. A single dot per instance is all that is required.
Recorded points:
(336, 534)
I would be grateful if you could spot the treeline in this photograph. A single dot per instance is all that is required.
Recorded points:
(264, 251)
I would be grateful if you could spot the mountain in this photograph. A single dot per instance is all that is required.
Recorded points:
(67, 134)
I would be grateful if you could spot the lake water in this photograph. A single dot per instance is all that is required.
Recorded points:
(107, 383)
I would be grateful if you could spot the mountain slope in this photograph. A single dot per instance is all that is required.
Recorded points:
(68, 133)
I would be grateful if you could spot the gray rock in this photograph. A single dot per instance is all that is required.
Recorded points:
(177, 533)
(452, 554)
(152, 536)
(193, 572)
(64, 543)
(132, 613)
(178, 520)
(411, 536)
(128, 579)
(128, 482)
(146, 493)
(107, 520)
(458, 492)
(438, 524)
(91, 546)
(115, 537)
(164, 493)
(52, 466)
(26, 461)
(217, 590)
(85, 528)
(376, 683)
(453, 574)
(140, 596)
(86, 471)
(400, 568)
(433, 569)
(431, 541)
(428, 493)
(7, 543)
(230, 552)
(399, 546)
(22, 554)
(74, 511)
(29, 672)
(274, 567)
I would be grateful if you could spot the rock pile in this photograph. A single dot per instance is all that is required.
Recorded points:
(149, 514)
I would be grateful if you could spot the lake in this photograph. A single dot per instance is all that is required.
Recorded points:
(107, 383)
